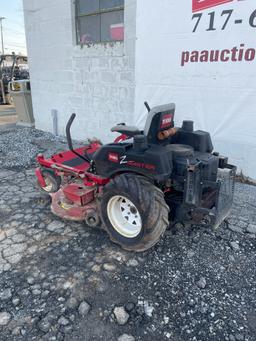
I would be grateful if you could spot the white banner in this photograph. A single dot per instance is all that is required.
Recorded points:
(201, 54)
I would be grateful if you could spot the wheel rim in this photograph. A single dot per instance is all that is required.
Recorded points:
(124, 216)
(49, 185)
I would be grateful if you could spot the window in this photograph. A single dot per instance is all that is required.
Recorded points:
(100, 21)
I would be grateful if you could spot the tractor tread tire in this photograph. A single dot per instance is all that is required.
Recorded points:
(151, 204)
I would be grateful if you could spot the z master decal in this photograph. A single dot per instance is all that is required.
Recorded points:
(141, 165)
(122, 160)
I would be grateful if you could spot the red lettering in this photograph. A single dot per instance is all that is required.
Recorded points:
(234, 54)
(214, 56)
(184, 58)
(204, 57)
(249, 55)
(222, 56)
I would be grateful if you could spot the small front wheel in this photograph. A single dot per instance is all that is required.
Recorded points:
(134, 212)
(52, 182)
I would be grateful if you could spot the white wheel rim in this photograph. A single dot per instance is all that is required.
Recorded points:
(48, 186)
(124, 216)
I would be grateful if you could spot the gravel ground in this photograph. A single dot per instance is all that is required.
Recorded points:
(61, 280)
(19, 147)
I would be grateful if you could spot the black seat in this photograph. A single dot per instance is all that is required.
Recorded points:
(159, 118)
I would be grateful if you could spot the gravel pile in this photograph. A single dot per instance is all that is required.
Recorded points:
(19, 146)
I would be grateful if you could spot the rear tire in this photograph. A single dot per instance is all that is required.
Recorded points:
(134, 212)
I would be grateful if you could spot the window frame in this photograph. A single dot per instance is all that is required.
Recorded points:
(99, 12)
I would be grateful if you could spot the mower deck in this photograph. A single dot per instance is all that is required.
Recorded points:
(73, 202)
(68, 163)
(68, 160)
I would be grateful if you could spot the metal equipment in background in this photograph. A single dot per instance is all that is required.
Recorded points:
(12, 67)
(20, 92)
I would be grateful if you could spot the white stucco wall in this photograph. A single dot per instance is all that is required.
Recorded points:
(218, 96)
(96, 82)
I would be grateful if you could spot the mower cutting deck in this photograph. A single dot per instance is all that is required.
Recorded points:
(145, 180)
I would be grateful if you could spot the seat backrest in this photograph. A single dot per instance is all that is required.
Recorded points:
(159, 118)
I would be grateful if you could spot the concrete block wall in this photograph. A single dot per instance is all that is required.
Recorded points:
(96, 82)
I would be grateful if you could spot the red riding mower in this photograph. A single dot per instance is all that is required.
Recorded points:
(143, 182)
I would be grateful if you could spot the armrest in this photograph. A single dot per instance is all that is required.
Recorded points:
(126, 130)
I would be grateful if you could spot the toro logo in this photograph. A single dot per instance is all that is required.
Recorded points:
(199, 5)
(113, 157)
(166, 121)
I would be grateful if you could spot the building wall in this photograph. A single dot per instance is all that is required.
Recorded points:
(219, 96)
(96, 82)
(101, 85)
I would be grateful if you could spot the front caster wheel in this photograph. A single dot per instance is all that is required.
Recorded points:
(134, 212)
(52, 182)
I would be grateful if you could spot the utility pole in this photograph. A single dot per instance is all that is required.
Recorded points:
(2, 35)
